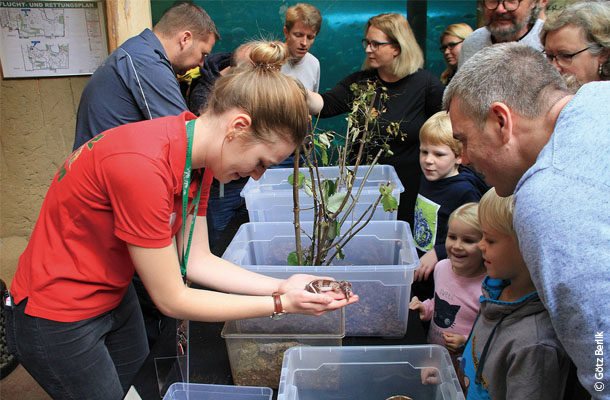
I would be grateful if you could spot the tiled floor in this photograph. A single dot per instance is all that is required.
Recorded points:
(19, 385)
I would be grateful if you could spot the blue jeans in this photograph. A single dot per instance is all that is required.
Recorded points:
(96, 358)
(222, 209)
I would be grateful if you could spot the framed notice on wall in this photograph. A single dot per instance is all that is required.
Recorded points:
(51, 38)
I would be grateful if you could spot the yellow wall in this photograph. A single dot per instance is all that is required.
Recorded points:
(37, 121)
(36, 134)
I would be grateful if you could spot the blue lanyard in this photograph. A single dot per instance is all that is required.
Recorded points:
(186, 183)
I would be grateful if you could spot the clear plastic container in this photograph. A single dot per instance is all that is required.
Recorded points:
(379, 262)
(200, 391)
(270, 198)
(368, 372)
(256, 346)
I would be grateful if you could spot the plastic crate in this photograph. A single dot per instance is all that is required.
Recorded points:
(256, 346)
(270, 198)
(379, 262)
(367, 372)
(200, 391)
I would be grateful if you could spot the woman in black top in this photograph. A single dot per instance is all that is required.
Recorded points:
(394, 60)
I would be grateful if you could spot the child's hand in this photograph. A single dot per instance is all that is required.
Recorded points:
(429, 376)
(415, 304)
(426, 266)
(453, 341)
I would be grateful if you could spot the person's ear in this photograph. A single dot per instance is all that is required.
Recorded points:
(285, 32)
(502, 121)
(239, 126)
(186, 38)
(458, 160)
(396, 50)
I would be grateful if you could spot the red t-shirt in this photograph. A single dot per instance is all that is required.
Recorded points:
(123, 186)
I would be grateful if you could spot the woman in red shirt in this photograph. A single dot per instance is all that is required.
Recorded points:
(116, 206)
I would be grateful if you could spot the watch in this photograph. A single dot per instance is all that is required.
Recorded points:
(279, 311)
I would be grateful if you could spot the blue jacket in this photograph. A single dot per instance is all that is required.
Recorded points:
(135, 83)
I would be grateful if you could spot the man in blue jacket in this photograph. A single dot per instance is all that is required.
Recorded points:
(138, 80)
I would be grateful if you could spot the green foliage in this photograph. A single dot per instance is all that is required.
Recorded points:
(334, 198)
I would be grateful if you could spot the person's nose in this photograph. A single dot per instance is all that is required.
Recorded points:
(447, 50)
(501, 9)
(481, 247)
(257, 173)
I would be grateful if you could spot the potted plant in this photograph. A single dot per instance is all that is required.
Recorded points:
(335, 198)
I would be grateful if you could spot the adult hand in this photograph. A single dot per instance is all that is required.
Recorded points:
(416, 304)
(426, 266)
(300, 301)
(453, 341)
(298, 281)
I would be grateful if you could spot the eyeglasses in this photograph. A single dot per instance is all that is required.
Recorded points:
(509, 5)
(450, 46)
(374, 44)
(564, 60)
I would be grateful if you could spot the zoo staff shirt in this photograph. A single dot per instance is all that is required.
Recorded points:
(122, 186)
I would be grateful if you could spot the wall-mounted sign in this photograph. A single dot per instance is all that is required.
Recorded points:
(51, 38)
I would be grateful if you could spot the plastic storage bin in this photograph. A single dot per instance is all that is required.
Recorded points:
(256, 346)
(379, 262)
(200, 391)
(270, 198)
(367, 372)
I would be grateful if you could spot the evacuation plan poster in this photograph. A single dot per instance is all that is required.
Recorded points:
(51, 38)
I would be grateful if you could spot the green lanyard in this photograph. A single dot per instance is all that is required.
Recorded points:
(186, 183)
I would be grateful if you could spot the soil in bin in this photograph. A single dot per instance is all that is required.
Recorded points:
(374, 314)
(377, 312)
(259, 362)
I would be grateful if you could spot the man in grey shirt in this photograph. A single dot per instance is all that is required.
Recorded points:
(505, 21)
(303, 22)
(522, 128)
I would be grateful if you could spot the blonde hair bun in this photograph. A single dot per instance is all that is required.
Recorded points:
(268, 55)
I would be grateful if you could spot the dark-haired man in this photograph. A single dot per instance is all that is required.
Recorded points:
(138, 80)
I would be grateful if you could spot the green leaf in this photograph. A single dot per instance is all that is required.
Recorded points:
(307, 186)
(335, 201)
(332, 229)
(293, 259)
(301, 178)
(340, 254)
(325, 139)
(389, 202)
(331, 187)
(324, 156)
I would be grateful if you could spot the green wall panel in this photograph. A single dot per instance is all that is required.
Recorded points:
(338, 43)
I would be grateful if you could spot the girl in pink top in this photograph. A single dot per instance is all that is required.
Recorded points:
(457, 284)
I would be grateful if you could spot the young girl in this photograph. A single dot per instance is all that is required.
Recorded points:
(457, 283)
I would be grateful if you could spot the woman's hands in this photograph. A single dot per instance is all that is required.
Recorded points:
(295, 299)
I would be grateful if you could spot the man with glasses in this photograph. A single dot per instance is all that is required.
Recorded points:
(505, 21)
